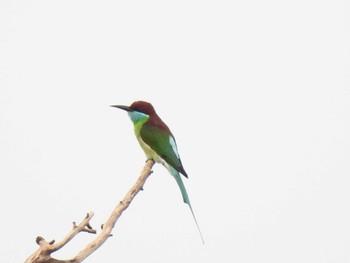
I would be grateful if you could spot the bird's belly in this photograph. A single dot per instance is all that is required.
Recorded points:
(150, 153)
(148, 150)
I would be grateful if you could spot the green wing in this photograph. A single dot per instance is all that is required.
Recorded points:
(160, 142)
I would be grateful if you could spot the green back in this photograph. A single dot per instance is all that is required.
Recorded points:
(159, 141)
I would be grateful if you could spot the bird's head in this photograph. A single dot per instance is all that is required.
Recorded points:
(138, 110)
(139, 106)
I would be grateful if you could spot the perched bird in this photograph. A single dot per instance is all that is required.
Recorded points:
(158, 143)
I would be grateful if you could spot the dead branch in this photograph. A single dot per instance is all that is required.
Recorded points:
(43, 253)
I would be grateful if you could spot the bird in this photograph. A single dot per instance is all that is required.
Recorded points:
(158, 143)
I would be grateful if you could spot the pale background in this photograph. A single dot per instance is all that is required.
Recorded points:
(257, 94)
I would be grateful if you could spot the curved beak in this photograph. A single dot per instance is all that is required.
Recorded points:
(126, 108)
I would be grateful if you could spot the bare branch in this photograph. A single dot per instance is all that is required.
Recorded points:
(43, 253)
(82, 227)
(117, 212)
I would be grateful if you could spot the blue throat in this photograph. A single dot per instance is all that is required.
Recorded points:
(136, 116)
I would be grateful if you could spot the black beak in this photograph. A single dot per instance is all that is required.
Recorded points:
(126, 108)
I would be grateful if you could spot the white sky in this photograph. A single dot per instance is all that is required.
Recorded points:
(257, 94)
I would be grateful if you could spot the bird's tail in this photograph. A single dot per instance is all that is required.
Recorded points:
(185, 197)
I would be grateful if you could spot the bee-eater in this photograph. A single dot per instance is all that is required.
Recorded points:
(158, 143)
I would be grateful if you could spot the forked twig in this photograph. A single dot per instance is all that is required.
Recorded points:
(43, 253)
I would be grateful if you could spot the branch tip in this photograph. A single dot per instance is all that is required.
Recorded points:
(39, 239)
(91, 231)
